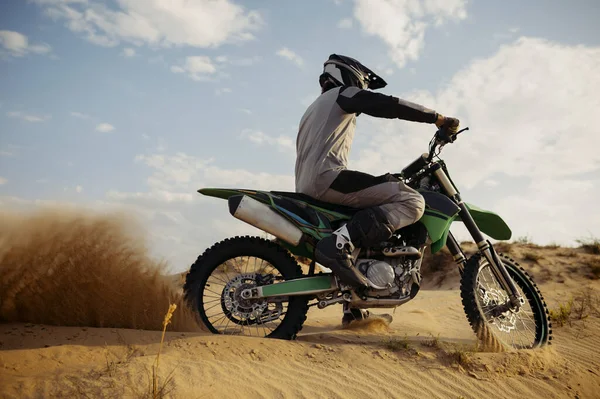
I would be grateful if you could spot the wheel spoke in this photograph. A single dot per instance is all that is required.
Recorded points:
(241, 273)
(518, 329)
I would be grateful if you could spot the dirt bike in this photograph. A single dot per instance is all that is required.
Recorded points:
(255, 286)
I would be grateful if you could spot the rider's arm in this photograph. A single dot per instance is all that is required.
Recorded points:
(354, 100)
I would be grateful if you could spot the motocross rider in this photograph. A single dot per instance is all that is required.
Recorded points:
(323, 144)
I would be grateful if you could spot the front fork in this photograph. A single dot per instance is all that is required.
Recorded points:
(485, 247)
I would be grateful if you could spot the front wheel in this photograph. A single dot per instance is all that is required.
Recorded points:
(496, 326)
(215, 281)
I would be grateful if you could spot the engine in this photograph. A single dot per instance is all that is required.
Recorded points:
(396, 268)
(380, 273)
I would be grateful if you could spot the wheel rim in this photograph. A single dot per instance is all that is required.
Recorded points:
(521, 329)
(227, 312)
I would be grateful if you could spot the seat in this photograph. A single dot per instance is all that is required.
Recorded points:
(325, 205)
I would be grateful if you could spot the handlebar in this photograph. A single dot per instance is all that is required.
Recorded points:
(442, 138)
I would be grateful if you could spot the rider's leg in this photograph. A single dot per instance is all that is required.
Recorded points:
(388, 205)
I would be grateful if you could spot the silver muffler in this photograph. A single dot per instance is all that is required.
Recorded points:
(261, 216)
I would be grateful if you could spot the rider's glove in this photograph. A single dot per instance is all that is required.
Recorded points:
(450, 124)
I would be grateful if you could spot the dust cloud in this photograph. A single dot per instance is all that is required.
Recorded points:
(72, 267)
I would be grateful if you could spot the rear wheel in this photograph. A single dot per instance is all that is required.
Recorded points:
(217, 278)
(498, 328)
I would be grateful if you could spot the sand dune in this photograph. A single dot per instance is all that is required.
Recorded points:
(85, 329)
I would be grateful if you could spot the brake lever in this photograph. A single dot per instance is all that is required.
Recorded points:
(460, 131)
(444, 138)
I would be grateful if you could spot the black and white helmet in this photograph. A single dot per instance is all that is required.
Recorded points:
(340, 70)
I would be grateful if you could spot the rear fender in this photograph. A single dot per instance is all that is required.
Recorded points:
(314, 223)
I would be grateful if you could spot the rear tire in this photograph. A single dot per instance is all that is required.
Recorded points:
(489, 334)
(278, 257)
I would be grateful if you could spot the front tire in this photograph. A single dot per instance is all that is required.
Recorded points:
(499, 332)
(217, 267)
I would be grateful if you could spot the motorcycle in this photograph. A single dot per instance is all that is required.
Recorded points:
(254, 286)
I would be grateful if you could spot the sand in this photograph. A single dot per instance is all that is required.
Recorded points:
(91, 328)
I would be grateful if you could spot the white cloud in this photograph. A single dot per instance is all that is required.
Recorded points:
(17, 44)
(9, 150)
(506, 35)
(290, 55)
(521, 129)
(162, 196)
(28, 117)
(79, 189)
(128, 52)
(238, 61)
(172, 208)
(246, 111)
(105, 127)
(198, 68)
(553, 210)
(345, 23)
(224, 90)
(181, 173)
(79, 115)
(401, 24)
(283, 143)
(195, 23)
(3, 180)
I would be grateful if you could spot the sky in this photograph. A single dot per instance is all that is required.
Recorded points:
(134, 105)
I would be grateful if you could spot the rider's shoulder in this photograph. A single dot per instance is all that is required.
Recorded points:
(351, 91)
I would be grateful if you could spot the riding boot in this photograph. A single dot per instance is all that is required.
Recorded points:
(335, 253)
(354, 314)
(368, 227)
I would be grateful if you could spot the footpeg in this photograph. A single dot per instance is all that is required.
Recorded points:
(401, 250)
(328, 302)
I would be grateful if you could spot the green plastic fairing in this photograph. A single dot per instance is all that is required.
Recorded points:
(222, 193)
(434, 219)
(490, 223)
(313, 232)
(438, 229)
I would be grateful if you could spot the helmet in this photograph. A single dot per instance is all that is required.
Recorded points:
(340, 70)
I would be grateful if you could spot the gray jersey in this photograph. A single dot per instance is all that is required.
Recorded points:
(327, 130)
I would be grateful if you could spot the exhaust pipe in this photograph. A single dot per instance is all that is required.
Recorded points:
(261, 216)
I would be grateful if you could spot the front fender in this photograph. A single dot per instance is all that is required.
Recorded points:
(489, 223)
(438, 224)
